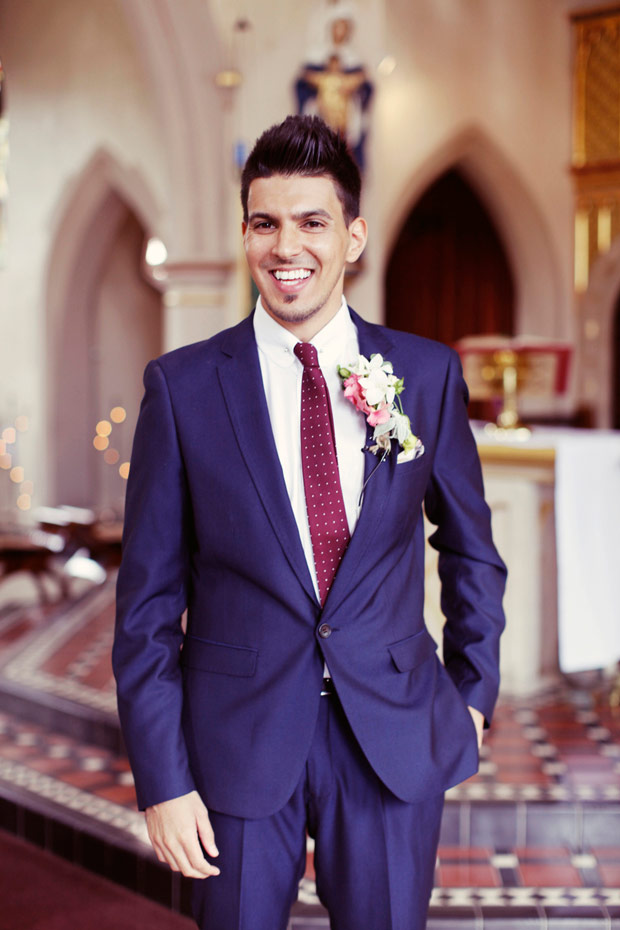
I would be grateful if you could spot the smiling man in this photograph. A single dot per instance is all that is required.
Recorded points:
(285, 514)
(297, 242)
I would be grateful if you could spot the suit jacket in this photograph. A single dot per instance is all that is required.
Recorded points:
(229, 707)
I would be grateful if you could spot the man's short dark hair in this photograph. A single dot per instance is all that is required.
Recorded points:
(305, 145)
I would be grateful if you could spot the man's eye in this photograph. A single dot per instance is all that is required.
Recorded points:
(264, 224)
(315, 224)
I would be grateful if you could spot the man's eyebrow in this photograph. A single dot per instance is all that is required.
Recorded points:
(303, 215)
(306, 214)
(259, 216)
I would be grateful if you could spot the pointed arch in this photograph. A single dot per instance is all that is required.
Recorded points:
(520, 223)
(450, 255)
(92, 211)
(173, 48)
(97, 191)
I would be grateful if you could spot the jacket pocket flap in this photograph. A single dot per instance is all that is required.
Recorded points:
(408, 653)
(221, 658)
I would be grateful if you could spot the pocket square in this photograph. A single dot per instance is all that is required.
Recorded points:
(411, 454)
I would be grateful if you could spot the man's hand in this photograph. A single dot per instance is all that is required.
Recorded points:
(174, 827)
(478, 719)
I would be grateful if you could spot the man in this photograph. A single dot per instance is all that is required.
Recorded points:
(306, 693)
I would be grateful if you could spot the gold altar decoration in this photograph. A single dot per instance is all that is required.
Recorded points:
(503, 369)
(596, 136)
(333, 82)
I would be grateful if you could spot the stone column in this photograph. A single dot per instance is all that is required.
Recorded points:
(199, 300)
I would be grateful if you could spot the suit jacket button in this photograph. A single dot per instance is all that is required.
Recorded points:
(325, 630)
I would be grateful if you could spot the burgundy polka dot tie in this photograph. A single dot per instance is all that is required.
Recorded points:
(327, 518)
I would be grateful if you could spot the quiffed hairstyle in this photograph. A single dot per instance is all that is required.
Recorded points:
(305, 145)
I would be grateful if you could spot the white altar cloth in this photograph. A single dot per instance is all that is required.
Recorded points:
(587, 517)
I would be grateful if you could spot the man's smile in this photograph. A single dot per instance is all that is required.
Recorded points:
(290, 280)
(294, 274)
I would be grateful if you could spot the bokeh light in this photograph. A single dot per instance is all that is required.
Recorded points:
(118, 414)
(6, 460)
(24, 501)
(111, 456)
(100, 443)
(17, 474)
(9, 435)
(103, 428)
(156, 252)
(124, 470)
(21, 424)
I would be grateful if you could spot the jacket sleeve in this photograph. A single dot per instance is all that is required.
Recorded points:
(151, 599)
(472, 574)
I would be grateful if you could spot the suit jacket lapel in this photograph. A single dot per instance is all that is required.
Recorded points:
(242, 386)
(244, 395)
(378, 478)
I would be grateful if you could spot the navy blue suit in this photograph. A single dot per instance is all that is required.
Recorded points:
(230, 707)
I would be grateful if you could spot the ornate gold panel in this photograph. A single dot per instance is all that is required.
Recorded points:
(596, 136)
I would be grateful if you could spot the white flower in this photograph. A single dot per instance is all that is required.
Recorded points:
(378, 387)
(371, 385)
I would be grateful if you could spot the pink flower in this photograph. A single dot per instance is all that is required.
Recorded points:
(374, 390)
(353, 390)
(380, 415)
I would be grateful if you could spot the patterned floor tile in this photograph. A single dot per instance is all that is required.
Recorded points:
(535, 833)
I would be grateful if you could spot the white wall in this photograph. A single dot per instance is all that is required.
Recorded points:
(74, 86)
(484, 82)
(473, 80)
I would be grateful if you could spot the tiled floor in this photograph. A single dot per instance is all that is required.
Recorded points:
(63, 651)
(534, 837)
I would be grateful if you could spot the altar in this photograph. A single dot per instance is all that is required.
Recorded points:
(555, 501)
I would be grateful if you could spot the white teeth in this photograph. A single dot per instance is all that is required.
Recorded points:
(295, 274)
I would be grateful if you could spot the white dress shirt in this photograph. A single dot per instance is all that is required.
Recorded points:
(337, 343)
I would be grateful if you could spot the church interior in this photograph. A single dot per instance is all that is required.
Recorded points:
(488, 134)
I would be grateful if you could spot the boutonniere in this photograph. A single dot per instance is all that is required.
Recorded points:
(372, 387)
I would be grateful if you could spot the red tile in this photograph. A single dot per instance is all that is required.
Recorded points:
(120, 765)
(468, 876)
(610, 873)
(93, 752)
(519, 758)
(85, 780)
(571, 740)
(606, 853)
(506, 742)
(541, 853)
(55, 739)
(526, 778)
(19, 753)
(100, 677)
(464, 853)
(50, 766)
(505, 729)
(120, 794)
(540, 875)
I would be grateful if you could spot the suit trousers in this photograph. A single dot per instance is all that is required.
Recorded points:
(374, 854)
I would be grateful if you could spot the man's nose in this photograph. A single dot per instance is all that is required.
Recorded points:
(288, 242)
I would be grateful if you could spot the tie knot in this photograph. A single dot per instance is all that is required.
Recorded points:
(307, 354)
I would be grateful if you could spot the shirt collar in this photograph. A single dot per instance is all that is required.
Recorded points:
(330, 342)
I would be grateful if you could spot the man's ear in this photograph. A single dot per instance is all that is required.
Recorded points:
(244, 227)
(358, 234)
